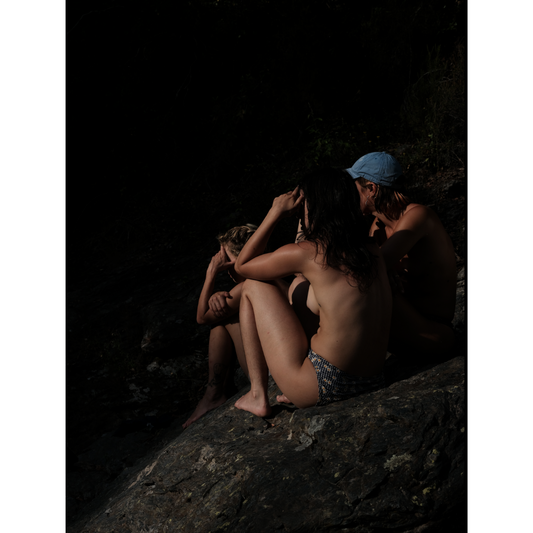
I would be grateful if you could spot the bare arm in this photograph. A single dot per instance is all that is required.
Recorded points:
(252, 263)
(287, 260)
(414, 225)
(377, 230)
(231, 307)
(219, 263)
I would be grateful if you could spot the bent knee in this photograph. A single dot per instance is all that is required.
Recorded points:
(249, 286)
(252, 286)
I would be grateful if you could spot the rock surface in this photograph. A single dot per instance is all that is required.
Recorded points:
(389, 460)
(137, 365)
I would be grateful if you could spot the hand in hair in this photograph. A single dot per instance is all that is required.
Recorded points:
(288, 204)
(220, 261)
(219, 305)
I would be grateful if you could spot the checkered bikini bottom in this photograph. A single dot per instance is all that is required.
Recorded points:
(334, 384)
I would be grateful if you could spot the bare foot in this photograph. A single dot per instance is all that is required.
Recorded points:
(281, 398)
(204, 406)
(254, 403)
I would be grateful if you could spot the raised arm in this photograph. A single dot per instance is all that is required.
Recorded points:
(252, 263)
(414, 225)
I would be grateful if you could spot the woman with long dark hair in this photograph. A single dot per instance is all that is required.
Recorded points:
(349, 291)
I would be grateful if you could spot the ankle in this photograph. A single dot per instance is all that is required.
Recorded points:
(213, 393)
(258, 394)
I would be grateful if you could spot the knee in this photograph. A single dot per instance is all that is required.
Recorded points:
(252, 286)
(220, 340)
(218, 333)
(247, 287)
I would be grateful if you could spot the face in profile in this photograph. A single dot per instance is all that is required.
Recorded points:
(365, 202)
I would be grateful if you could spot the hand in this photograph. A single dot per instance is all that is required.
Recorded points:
(220, 261)
(218, 303)
(288, 204)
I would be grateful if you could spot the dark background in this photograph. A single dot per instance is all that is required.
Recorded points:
(185, 118)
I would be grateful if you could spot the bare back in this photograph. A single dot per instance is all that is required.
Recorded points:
(354, 325)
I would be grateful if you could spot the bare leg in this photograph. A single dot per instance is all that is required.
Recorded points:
(412, 332)
(234, 329)
(297, 295)
(256, 400)
(221, 357)
(273, 335)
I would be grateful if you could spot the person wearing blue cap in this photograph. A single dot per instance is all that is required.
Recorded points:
(418, 252)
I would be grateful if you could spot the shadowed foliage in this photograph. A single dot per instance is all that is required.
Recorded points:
(184, 118)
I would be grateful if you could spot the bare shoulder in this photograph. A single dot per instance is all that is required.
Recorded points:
(302, 249)
(306, 246)
(417, 216)
(417, 210)
(296, 248)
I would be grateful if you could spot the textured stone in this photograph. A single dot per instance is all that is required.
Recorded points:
(389, 460)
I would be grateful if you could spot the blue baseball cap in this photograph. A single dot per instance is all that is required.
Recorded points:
(377, 167)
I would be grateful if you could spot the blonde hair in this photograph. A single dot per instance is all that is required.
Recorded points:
(235, 238)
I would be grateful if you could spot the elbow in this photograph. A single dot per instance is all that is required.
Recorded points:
(205, 321)
(238, 269)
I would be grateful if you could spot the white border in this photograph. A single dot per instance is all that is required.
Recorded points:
(32, 222)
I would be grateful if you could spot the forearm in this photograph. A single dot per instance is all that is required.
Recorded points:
(257, 243)
(207, 291)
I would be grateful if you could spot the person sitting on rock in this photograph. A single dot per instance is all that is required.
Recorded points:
(220, 310)
(418, 253)
(348, 289)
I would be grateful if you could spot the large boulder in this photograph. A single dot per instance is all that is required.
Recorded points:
(389, 460)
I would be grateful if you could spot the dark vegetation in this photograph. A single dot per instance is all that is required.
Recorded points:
(187, 118)
(184, 118)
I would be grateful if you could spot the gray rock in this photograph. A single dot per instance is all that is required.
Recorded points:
(459, 319)
(389, 460)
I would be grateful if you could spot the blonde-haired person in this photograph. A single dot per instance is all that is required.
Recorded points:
(417, 250)
(220, 310)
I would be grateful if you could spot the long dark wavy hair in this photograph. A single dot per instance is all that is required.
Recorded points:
(336, 225)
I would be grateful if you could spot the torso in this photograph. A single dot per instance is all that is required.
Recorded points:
(354, 326)
(428, 270)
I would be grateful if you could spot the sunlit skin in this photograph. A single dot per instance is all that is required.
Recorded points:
(420, 256)
(353, 331)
